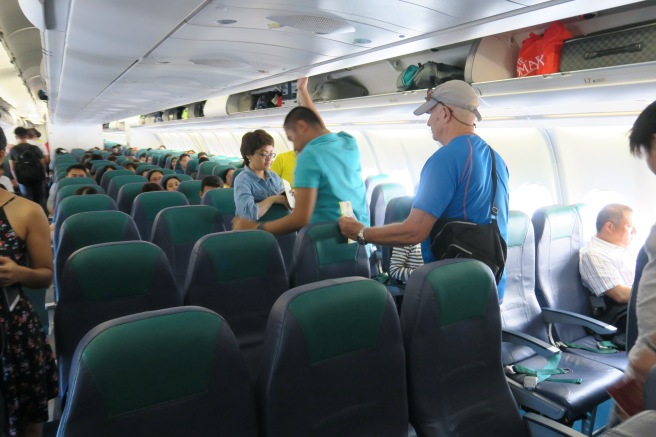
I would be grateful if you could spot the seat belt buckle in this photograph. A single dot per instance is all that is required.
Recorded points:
(530, 382)
(560, 345)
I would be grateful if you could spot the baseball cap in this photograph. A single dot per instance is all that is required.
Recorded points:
(454, 92)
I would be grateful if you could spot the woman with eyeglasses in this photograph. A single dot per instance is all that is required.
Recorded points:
(257, 188)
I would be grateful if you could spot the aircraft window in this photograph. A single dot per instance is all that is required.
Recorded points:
(530, 196)
(598, 198)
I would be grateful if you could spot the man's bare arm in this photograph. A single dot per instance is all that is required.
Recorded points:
(620, 293)
(304, 98)
(413, 230)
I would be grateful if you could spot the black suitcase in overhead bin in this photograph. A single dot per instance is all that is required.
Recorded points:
(609, 48)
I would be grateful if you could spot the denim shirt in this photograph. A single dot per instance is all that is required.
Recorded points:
(250, 189)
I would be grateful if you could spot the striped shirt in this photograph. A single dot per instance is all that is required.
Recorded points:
(404, 261)
(604, 265)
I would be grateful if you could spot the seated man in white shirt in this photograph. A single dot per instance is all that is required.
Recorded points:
(607, 266)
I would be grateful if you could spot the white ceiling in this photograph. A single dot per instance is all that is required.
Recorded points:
(108, 60)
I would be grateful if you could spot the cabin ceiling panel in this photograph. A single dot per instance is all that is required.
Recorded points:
(123, 57)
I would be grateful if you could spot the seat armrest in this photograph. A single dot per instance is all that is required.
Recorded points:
(544, 427)
(551, 315)
(519, 338)
(533, 401)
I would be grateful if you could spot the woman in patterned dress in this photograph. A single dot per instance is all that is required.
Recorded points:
(29, 369)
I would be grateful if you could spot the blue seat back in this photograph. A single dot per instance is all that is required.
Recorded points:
(191, 189)
(76, 204)
(146, 206)
(126, 195)
(116, 183)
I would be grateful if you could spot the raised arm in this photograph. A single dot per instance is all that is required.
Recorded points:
(304, 98)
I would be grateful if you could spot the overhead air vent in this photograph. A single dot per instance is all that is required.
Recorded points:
(230, 64)
(315, 24)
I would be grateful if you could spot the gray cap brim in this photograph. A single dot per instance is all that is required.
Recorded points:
(426, 107)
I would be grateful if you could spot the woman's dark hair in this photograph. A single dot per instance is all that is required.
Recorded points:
(130, 164)
(211, 181)
(60, 151)
(152, 172)
(251, 141)
(642, 133)
(203, 159)
(20, 132)
(184, 155)
(167, 178)
(84, 158)
(85, 190)
(151, 186)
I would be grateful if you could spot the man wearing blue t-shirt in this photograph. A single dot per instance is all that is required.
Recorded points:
(328, 171)
(455, 181)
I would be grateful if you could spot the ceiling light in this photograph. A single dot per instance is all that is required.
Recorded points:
(226, 21)
(361, 41)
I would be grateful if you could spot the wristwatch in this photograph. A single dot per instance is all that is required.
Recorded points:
(361, 239)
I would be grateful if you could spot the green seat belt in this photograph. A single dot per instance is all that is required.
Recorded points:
(536, 376)
(603, 347)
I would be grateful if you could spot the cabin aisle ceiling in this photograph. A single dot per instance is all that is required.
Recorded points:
(108, 60)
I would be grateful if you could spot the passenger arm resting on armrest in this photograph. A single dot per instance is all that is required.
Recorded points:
(413, 230)
(620, 293)
(306, 198)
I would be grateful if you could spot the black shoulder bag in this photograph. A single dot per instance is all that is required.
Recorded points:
(456, 238)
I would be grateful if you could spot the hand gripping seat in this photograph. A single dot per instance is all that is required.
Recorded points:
(238, 274)
(109, 175)
(76, 204)
(527, 341)
(116, 183)
(146, 206)
(166, 373)
(68, 191)
(333, 363)
(126, 196)
(322, 252)
(87, 228)
(177, 229)
(104, 281)
(452, 337)
(224, 201)
(191, 189)
(558, 236)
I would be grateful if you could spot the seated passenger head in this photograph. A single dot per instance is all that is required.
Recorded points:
(112, 157)
(151, 186)
(149, 160)
(96, 157)
(302, 125)
(201, 154)
(643, 136)
(183, 160)
(210, 183)
(453, 107)
(162, 147)
(172, 184)
(85, 190)
(76, 171)
(203, 159)
(174, 161)
(115, 149)
(257, 150)
(615, 225)
(155, 175)
(60, 151)
(130, 166)
(84, 158)
(142, 158)
(228, 176)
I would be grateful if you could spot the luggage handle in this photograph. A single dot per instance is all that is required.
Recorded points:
(636, 47)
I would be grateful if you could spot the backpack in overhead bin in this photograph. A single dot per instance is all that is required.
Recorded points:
(27, 166)
(428, 75)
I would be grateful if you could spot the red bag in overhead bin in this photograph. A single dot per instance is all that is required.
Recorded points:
(540, 54)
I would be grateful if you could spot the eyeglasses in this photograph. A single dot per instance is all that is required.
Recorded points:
(267, 156)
